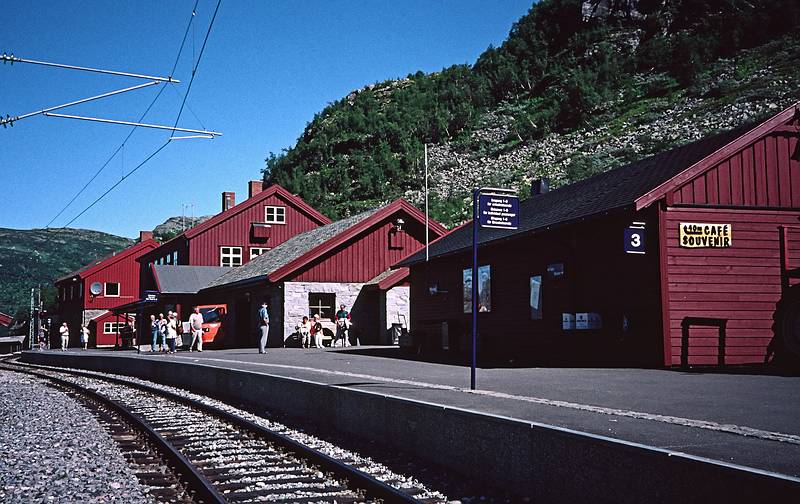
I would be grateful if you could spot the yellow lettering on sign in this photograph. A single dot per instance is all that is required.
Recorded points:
(695, 235)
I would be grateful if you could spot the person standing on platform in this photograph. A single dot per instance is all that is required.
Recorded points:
(172, 332)
(64, 330)
(263, 326)
(343, 326)
(162, 330)
(153, 333)
(305, 333)
(316, 331)
(84, 337)
(196, 325)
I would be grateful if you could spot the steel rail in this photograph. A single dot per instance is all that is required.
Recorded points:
(12, 119)
(195, 479)
(373, 486)
(130, 123)
(14, 59)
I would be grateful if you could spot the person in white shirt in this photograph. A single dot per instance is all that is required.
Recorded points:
(196, 325)
(64, 330)
(172, 332)
(84, 337)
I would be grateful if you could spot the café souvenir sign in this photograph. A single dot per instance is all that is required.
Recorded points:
(703, 235)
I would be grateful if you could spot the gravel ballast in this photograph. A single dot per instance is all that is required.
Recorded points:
(52, 449)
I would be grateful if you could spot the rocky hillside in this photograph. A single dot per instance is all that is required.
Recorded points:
(38, 256)
(577, 88)
(174, 226)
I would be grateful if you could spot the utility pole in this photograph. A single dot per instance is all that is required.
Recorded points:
(427, 240)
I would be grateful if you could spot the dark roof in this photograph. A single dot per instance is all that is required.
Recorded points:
(288, 251)
(612, 190)
(180, 279)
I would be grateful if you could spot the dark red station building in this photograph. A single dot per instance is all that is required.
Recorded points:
(687, 257)
(233, 237)
(87, 295)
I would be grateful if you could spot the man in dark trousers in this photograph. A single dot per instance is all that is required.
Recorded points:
(263, 326)
(342, 326)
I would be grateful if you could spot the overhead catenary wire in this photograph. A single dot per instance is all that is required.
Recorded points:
(151, 156)
(141, 118)
(12, 120)
(13, 59)
(129, 123)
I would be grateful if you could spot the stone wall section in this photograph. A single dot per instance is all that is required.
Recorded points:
(295, 304)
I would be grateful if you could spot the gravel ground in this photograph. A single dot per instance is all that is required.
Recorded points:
(52, 449)
(436, 484)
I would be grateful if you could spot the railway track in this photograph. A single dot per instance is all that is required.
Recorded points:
(185, 450)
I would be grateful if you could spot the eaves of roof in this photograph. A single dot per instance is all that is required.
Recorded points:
(108, 260)
(341, 238)
(244, 205)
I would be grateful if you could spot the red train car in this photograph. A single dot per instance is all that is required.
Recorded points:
(688, 257)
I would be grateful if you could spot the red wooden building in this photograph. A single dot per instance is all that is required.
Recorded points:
(345, 262)
(236, 235)
(686, 257)
(85, 296)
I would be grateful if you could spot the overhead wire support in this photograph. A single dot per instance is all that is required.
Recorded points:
(140, 125)
(10, 120)
(13, 59)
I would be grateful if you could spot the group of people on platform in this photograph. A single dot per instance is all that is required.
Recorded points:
(168, 329)
(310, 330)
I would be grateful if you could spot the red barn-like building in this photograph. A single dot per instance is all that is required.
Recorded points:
(345, 262)
(115, 280)
(239, 233)
(687, 257)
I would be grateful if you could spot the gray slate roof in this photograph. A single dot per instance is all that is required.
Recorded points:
(181, 279)
(288, 251)
(614, 189)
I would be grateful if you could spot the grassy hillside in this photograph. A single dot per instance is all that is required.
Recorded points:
(577, 88)
(38, 256)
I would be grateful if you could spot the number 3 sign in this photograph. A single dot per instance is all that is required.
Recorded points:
(634, 238)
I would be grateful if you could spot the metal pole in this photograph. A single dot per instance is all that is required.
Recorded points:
(129, 123)
(13, 59)
(11, 120)
(475, 195)
(427, 239)
(30, 323)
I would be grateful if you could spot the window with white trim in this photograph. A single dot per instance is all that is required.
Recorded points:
(230, 256)
(112, 289)
(275, 215)
(257, 251)
(112, 327)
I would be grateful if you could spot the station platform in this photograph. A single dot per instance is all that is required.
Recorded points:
(739, 420)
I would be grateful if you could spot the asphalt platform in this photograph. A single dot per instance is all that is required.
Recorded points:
(737, 417)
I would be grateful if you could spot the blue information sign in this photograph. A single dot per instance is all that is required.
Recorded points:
(151, 296)
(634, 238)
(498, 211)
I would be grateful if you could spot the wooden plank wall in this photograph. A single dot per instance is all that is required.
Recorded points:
(764, 174)
(741, 284)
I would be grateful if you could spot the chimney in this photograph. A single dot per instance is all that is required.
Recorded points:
(228, 200)
(539, 186)
(254, 187)
(145, 235)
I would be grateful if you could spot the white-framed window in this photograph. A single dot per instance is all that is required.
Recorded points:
(257, 251)
(112, 289)
(80, 290)
(112, 327)
(230, 256)
(275, 215)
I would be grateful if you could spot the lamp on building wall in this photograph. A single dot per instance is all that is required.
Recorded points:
(398, 225)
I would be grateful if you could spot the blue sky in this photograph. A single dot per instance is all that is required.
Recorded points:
(267, 68)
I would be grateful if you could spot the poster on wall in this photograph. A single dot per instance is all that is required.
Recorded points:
(536, 297)
(484, 289)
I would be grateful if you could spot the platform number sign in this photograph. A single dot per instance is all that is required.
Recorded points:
(635, 238)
